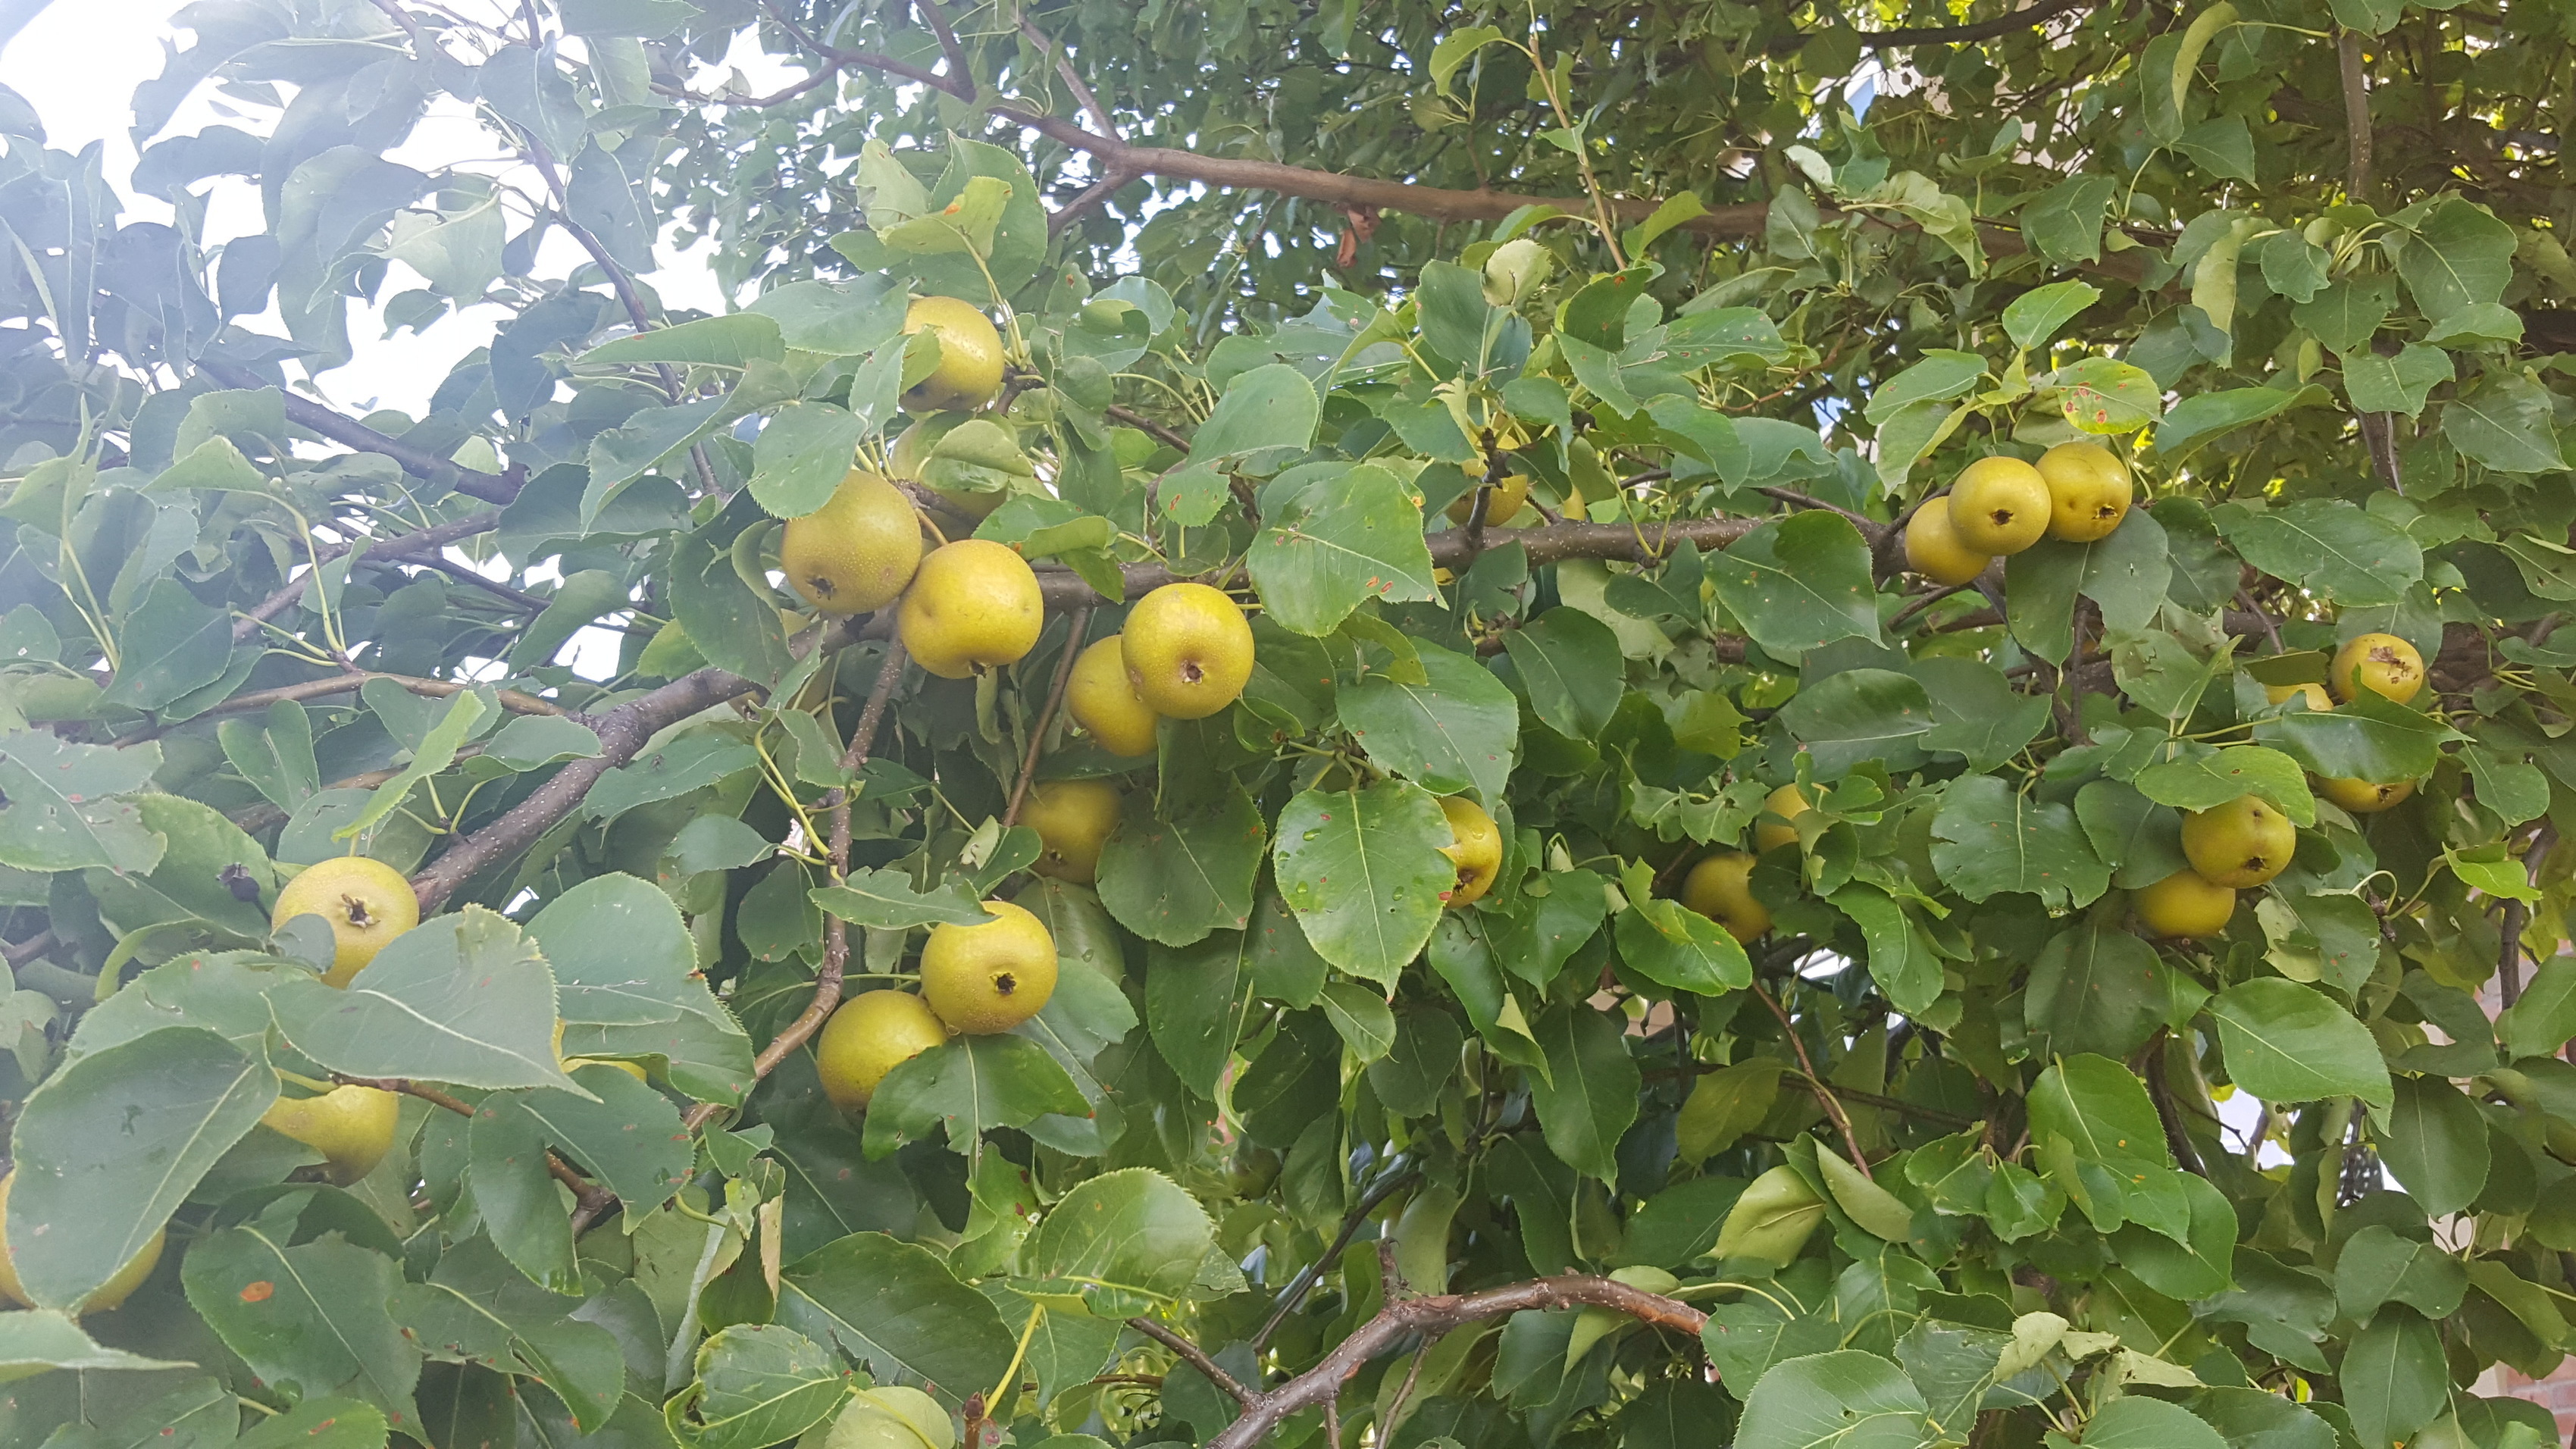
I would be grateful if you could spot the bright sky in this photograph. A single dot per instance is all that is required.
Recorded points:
(78, 63)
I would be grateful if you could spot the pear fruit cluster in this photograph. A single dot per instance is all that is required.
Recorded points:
(1720, 887)
(975, 981)
(1185, 653)
(2000, 505)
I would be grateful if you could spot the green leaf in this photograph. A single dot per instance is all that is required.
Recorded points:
(112, 1144)
(437, 751)
(2434, 1140)
(2395, 1377)
(1847, 1399)
(1454, 49)
(2102, 396)
(2369, 738)
(2033, 317)
(173, 646)
(2223, 146)
(2345, 315)
(2346, 554)
(733, 342)
(516, 1197)
(1589, 1095)
(2459, 256)
(626, 1135)
(969, 1086)
(628, 451)
(692, 761)
(1943, 374)
(2127, 574)
(1976, 714)
(1173, 879)
(461, 998)
(1988, 839)
(1679, 948)
(1118, 1245)
(760, 1384)
(42, 1339)
(62, 811)
(1196, 1001)
(837, 320)
(1570, 663)
(2135, 1421)
(2398, 384)
(2064, 223)
(309, 1319)
(1859, 716)
(633, 19)
(2195, 1266)
(2202, 416)
(2376, 1266)
(885, 900)
(1879, 1212)
(1365, 874)
(1902, 959)
(802, 454)
(2291, 1043)
(1268, 407)
(1456, 731)
(2253, 1419)
(2544, 1018)
(2097, 1113)
(2503, 423)
(620, 953)
(2097, 990)
(896, 1309)
(1798, 583)
(1338, 543)
(2206, 781)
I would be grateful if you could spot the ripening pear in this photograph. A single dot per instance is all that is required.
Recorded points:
(856, 552)
(111, 1293)
(1999, 505)
(1779, 809)
(2362, 797)
(1475, 845)
(1104, 702)
(1718, 888)
(2314, 694)
(2242, 843)
(367, 902)
(1933, 549)
(1073, 819)
(2384, 664)
(2088, 491)
(989, 978)
(350, 1125)
(1188, 650)
(870, 1035)
(1502, 505)
(970, 356)
(2183, 907)
(972, 603)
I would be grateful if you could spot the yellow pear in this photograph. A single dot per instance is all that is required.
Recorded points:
(1476, 845)
(1105, 703)
(869, 1036)
(1073, 819)
(2183, 906)
(1501, 506)
(1717, 888)
(111, 1293)
(970, 356)
(2314, 694)
(857, 551)
(973, 602)
(367, 902)
(1781, 807)
(1999, 505)
(2244, 842)
(1932, 546)
(989, 978)
(1188, 650)
(2088, 491)
(2381, 663)
(2361, 797)
(351, 1126)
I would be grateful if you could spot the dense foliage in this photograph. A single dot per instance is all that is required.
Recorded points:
(1827, 1046)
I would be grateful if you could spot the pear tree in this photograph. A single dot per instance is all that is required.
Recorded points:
(1295, 724)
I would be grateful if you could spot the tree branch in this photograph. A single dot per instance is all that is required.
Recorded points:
(622, 732)
(511, 699)
(1046, 714)
(1289, 1297)
(1195, 1356)
(836, 932)
(1437, 1313)
(401, 545)
(2022, 19)
(348, 431)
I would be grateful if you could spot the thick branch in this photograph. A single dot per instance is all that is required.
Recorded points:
(622, 732)
(348, 431)
(1438, 1313)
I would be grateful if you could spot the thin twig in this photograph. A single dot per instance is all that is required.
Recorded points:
(1816, 1084)
(1072, 79)
(1195, 1356)
(1295, 1293)
(418, 461)
(961, 79)
(510, 699)
(836, 932)
(28, 949)
(1046, 715)
(1147, 426)
(401, 545)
